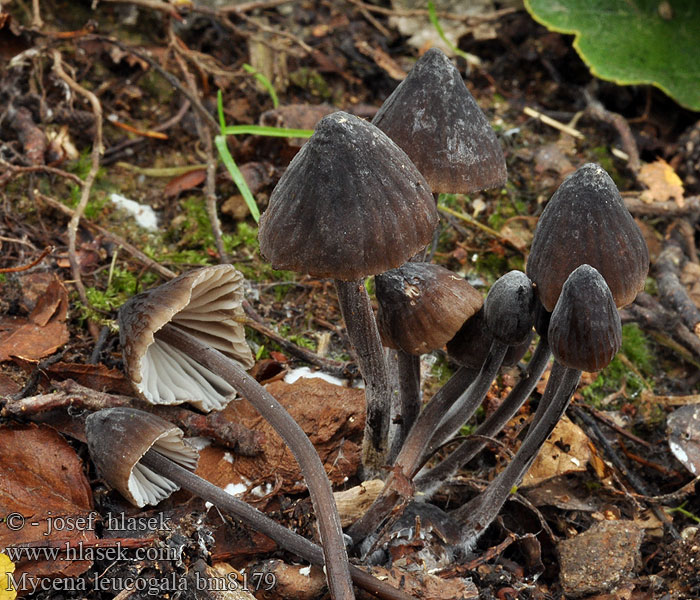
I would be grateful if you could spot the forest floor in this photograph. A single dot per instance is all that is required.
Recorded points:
(139, 79)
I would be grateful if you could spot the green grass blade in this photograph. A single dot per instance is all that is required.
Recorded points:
(264, 81)
(237, 176)
(220, 109)
(269, 131)
(432, 15)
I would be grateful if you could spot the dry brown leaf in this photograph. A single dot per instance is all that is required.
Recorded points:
(426, 586)
(565, 451)
(184, 182)
(43, 332)
(332, 417)
(662, 181)
(43, 482)
(690, 278)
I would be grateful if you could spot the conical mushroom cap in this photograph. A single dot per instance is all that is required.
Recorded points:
(422, 306)
(510, 308)
(350, 204)
(117, 440)
(586, 222)
(207, 304)
(471, 344)
(437, 122)
(585, 331)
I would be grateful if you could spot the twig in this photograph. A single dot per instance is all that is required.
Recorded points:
(535, 114)
(204, 133)
(14, 171)
(332, 367)
(596, 110)
(70, 394)
(603, 418)
(37, 21)
(673, 293)
(48, 250)
(97, 150)
(637, 484)
(169, 77)
(639, 208)
(156, 5)
(112, 237)
(469, 19)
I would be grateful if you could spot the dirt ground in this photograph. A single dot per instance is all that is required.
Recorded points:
(121, 98)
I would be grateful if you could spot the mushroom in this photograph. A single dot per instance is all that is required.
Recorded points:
(420, 308)
(231, 371)
(585, 314)
(205, 302)
(432, 116)
(512, 299)
(351, 204)
(586, 222)
(116, 436)
(119, 437)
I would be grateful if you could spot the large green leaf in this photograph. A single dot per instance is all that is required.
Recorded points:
(633, 41)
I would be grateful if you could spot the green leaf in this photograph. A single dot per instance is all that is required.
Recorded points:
(633, 41)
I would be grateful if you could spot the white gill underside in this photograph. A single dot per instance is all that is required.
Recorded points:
(169, 376)
(148, 487)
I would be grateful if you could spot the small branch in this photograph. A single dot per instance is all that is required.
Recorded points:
(97, 151)
(48, 250)
(112, 237)
(70, 394)
(639, 208)
(204, 133)
(15, 171)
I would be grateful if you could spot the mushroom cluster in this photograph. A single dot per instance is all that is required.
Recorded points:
(358, 201)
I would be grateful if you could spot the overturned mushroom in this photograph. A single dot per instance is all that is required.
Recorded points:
(117, 436)
(206, 303)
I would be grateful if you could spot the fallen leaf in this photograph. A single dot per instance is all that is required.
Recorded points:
(690, 278)
(565, 451)
(684, 436)
(663, 183)
(43, 332)
(333, 418)
(43, 486)
(184, 182)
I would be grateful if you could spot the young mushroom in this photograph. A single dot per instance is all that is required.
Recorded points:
(162, 463)
(509, 309)
(420, 308)
(206, 303)
(351, 204)
(584, 334)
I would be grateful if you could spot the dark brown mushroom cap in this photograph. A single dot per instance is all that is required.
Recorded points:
(587, 222)
(207, 304)
(471, 344)
(585, 331)
(117, 440)
(422, 306)
(510, 308)
(350, 204)
(434, 118)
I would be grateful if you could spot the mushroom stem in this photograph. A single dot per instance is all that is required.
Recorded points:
(467, 403)
(479, 513)
(428, 481)
(336, 558)
(364, 337)
(407, 460)
(409, 399)
(287, 539)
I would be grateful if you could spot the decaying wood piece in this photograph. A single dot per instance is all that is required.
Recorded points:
(673, 293)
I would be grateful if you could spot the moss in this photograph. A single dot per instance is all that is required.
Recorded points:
(311, 80)
(636, 349)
